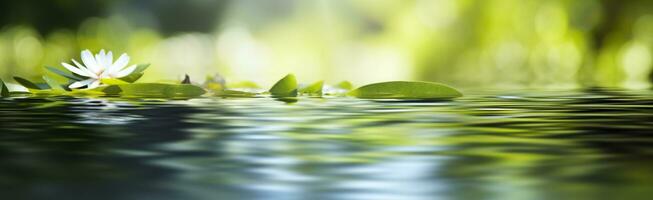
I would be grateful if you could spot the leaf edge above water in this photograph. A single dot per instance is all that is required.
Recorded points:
(285, 87)
(406, 90)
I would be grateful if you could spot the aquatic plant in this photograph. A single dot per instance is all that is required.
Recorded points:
(98, 67)
(100, 75)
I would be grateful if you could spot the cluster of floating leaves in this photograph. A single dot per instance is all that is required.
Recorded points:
(285, 89)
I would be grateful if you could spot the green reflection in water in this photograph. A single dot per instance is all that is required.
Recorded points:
(590, 144)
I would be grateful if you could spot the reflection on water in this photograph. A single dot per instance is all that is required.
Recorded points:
(544, 145)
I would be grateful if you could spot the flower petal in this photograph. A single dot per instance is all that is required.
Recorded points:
(75, 70)
(108, 63)
(81, 67)
(122, 61)
(108, 59)
(125, 72)
(94, 84)
(79, 84)
(77, 64)
(99, 59)
(89, 61)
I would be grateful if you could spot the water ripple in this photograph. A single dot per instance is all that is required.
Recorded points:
(512, 145)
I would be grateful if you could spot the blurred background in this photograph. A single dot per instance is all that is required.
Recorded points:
(465, 43)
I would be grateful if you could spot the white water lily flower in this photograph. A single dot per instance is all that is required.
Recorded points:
(98, 67)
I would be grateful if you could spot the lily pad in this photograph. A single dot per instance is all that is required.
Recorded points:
(286, 87)
(313, 89)
(236, 93)
(113, 81)
(4, 91)
(405, 90)
(136, 74)
(154, 90)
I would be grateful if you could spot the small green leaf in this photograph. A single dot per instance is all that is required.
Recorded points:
(286, 87)
(313, 89)
(56, 86)
(154, 90)
(405, 90)
(137, 74)
(4, 91)
(141, 68)
(345, 85)
(30, 85)
(66, 74)
(132, 77)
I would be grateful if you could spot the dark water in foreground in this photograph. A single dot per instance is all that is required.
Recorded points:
(545, 145)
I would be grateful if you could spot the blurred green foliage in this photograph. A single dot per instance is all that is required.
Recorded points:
(465, 43)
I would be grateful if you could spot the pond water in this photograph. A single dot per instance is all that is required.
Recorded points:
(586, 144)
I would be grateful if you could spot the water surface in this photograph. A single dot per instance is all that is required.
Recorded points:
(592, 144)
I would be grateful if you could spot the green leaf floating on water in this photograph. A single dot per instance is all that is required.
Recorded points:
(136, 74)
(113, 81)
(405, 90)
(30, 85)
(236, 93)
(286, 87)
(313, 89)
(155, 90)
(4, 91)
